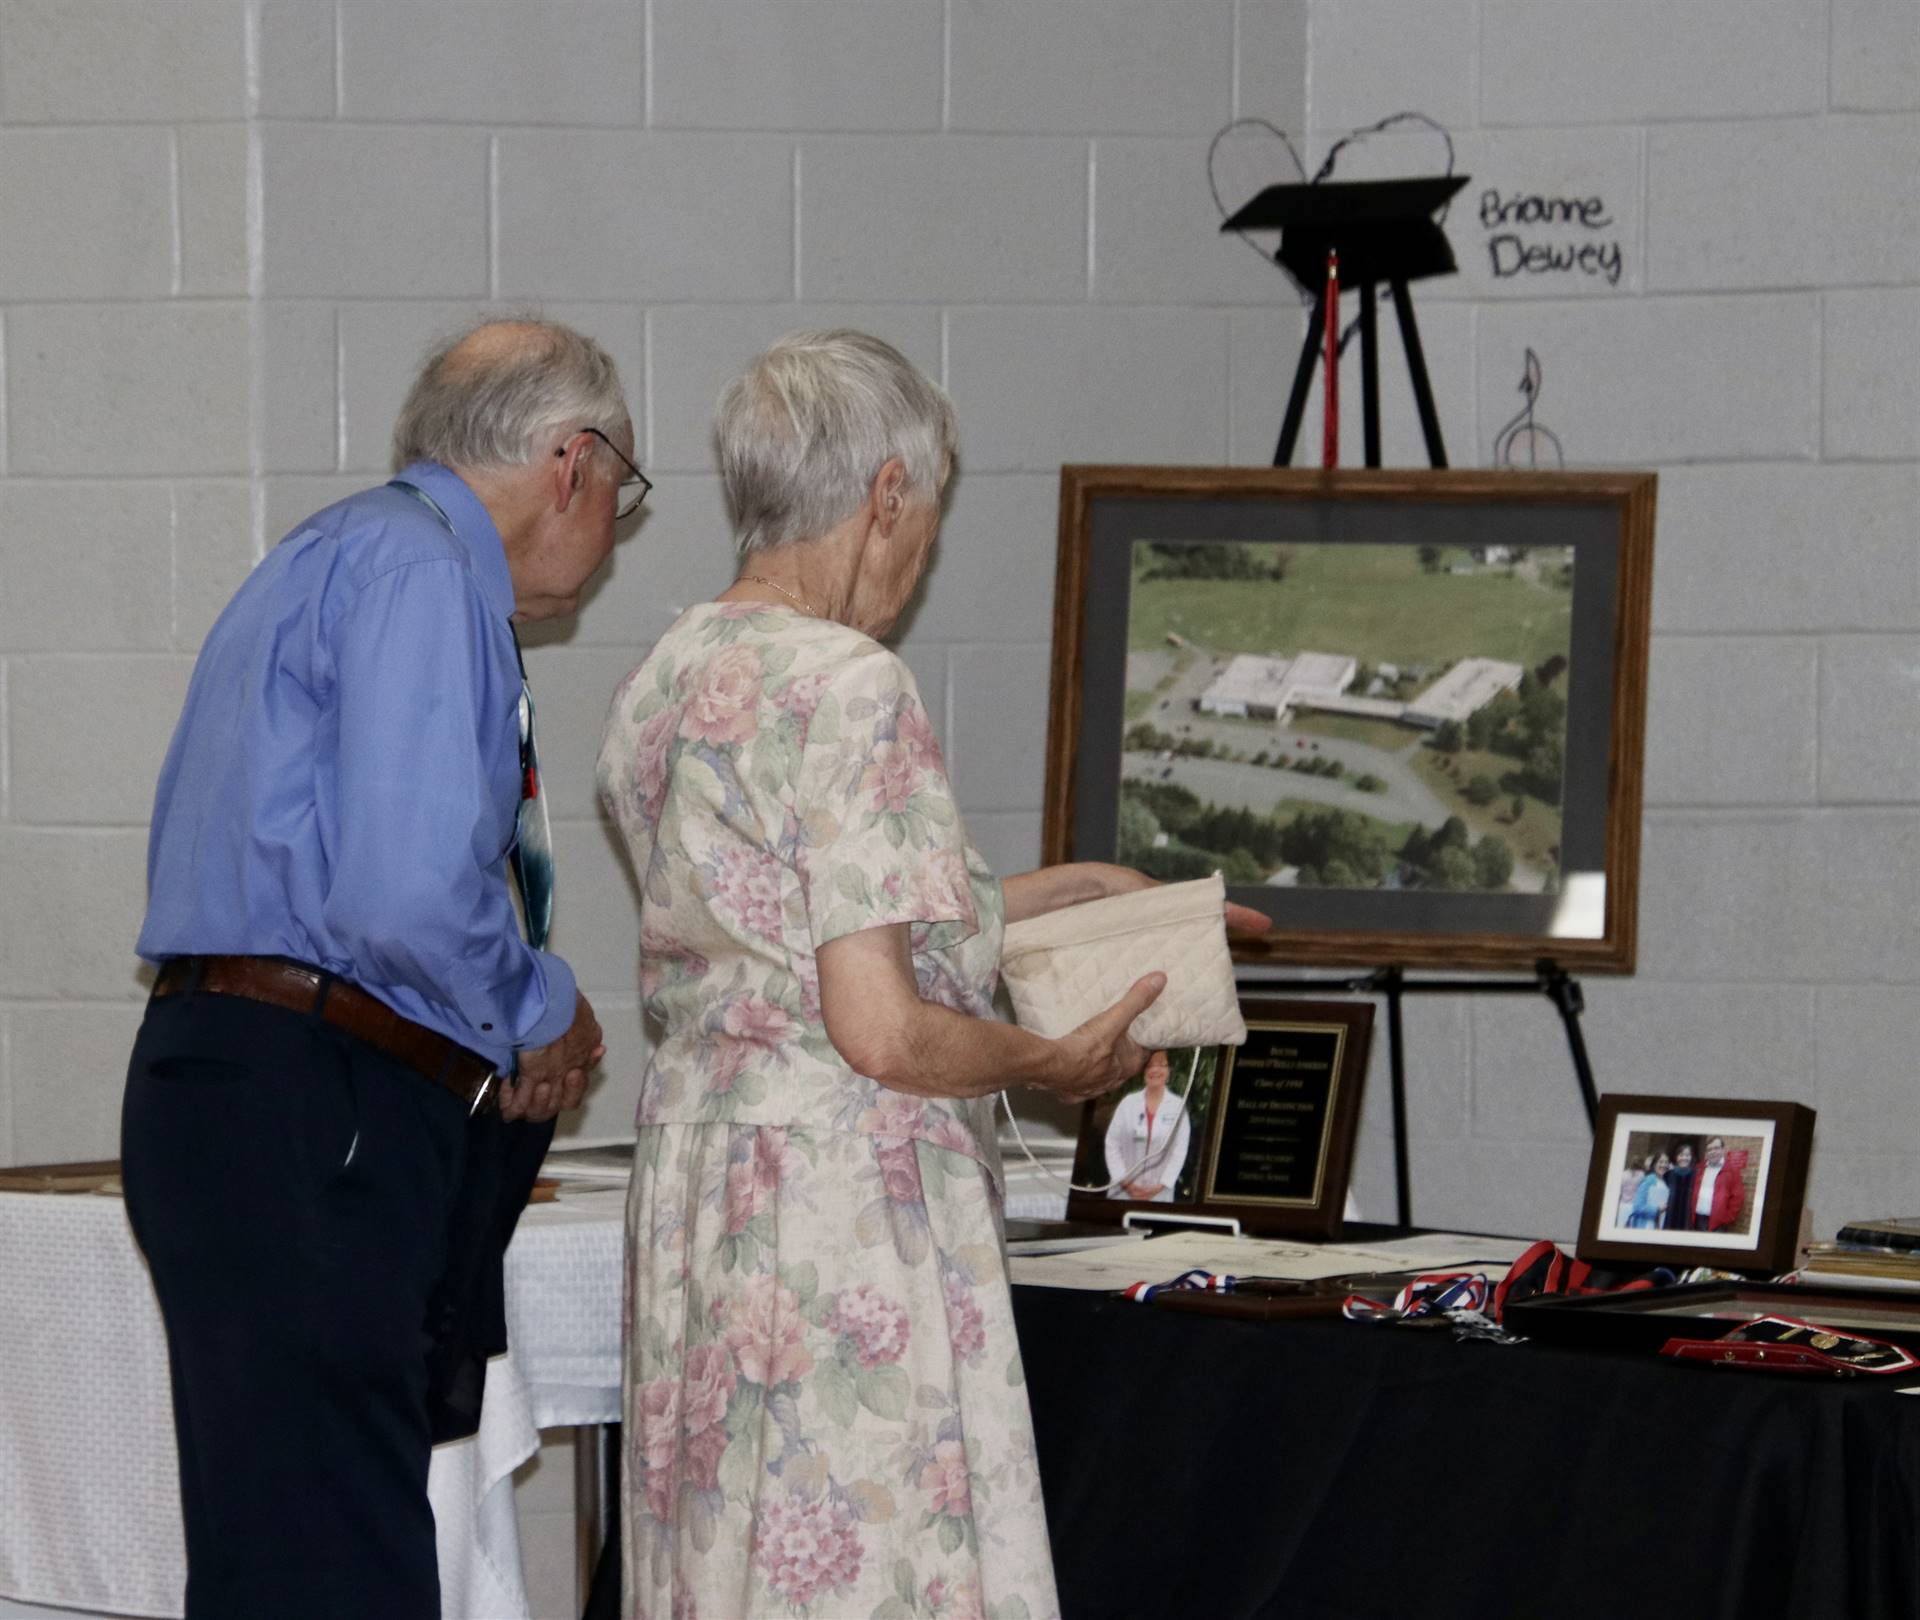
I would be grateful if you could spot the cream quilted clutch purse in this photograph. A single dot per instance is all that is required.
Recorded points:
(1066, 966)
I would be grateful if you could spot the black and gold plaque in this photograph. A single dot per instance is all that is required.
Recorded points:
(1271, 1113)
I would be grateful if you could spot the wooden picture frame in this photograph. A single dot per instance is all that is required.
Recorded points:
(1256, 612)
(1648, 1181)
(1269, 1126)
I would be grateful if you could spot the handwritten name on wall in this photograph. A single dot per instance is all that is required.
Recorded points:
(1531, 233)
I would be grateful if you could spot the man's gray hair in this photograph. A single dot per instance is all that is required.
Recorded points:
(491, 394)
(804, 430)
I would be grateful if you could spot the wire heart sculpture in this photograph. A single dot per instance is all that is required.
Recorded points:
(1353, 139)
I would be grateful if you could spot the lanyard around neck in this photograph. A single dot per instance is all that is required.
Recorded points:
(427, 501)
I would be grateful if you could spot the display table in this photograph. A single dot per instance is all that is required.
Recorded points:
(1192, 1465)
(89, 1489)
(1203, 1466)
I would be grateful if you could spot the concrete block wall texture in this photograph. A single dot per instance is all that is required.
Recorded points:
(229, 227)
(1758, 345)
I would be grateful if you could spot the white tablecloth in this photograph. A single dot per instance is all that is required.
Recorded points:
(89, 1488)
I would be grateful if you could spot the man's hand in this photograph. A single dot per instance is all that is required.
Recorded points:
(554, 1076)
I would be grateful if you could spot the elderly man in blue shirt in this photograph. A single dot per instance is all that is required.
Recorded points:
(355, 1049)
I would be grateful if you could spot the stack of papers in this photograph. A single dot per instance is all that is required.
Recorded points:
(1073, 1243)
(1161, 1259)
(584, 1167)
(602, 1162)
(90, 1176)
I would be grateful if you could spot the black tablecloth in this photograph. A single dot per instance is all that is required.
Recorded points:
(1206, 1467)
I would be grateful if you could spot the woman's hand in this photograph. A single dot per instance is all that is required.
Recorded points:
(1033, 894)
(1100, 1054)
(1240, 919)
(1245, 920)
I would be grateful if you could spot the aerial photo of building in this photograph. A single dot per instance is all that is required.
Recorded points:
(1469, 686)
(1253, 687)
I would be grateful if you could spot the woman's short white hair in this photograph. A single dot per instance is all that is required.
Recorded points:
(491, 394)
(804, 430)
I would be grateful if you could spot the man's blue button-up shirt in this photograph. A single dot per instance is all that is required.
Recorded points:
(345, 779)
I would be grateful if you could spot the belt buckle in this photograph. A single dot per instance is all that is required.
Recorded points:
(482, 1092)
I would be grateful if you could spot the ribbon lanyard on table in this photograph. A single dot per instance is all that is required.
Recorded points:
(532, 854)
(1437, 1293)
(531, 857)
(1194, 1281)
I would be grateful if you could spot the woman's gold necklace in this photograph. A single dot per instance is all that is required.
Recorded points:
(775, 585)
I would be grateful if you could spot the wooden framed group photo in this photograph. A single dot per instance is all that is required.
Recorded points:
(1697, 1181)
(1261, 1133)
(1402, 711)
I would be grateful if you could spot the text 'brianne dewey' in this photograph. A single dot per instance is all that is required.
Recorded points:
(1511, 254)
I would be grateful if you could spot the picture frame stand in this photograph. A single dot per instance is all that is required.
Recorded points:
(1549, 979)
(1150, 1221)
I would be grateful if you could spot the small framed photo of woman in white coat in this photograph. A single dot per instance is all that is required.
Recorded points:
(1262, 1133)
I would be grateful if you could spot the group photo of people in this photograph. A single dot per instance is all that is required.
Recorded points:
(1689, 1183)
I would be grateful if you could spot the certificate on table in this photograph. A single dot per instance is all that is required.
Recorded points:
(1160, 1259)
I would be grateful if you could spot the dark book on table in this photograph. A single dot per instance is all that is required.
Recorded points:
(1889, 1233)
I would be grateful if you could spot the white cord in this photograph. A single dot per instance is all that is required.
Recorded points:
(1131, 1171)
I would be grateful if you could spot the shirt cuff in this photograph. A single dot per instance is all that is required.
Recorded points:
(562, 997)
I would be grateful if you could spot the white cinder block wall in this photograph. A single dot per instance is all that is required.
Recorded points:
(228, 230)
(228, 227)
(1757, 162)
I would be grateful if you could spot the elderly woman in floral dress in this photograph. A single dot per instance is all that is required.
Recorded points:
(825, 1409)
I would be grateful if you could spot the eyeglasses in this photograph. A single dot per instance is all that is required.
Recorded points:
(631, 497)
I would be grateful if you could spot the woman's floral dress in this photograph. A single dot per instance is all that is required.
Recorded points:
(825, 1410)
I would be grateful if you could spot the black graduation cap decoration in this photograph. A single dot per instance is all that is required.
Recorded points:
(1382, 230)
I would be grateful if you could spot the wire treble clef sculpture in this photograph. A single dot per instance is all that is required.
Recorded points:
(1522, 441)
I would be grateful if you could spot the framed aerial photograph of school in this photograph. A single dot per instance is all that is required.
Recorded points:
(1402, 711)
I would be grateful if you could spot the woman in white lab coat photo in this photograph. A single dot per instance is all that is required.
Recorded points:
(1147, 1139)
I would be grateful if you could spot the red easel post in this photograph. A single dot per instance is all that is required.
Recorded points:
(1330, 439)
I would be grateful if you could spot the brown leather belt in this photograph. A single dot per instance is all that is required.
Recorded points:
(303, 989)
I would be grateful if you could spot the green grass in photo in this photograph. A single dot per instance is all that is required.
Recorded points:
(1375, 602)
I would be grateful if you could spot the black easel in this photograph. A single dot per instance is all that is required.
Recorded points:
(1369, 376)
(1549, 979)
(1385, 231)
